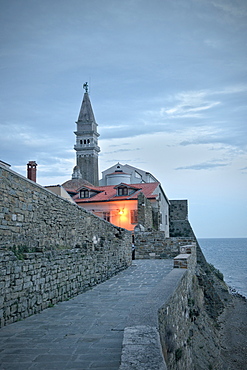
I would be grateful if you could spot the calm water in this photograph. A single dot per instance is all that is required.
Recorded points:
(230, 257)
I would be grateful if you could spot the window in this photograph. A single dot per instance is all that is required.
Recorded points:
(85, 141)
(88, 141)
(84, 193)
(161, 220)
(106, 216)
(137, 175)
(123, 191)
(80, 141)
(133, 216)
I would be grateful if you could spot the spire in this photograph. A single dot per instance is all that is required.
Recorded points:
(86, 112)
(86, 146)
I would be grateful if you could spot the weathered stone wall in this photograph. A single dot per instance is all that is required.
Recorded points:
(145, 212)
(179, 209)
(142, 341)
(154, 244)
(174, 326)
(32, 216)
(188, 320)
(40, 280)
(50, 248)
(179, 224)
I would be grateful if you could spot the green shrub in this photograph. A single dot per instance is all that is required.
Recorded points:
(178, 354)
(19, 251)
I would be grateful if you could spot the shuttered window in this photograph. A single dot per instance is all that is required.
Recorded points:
(133, 216)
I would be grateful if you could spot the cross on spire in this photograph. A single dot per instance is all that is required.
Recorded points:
(85, 87)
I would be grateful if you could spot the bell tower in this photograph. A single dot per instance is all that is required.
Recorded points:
(86, 147)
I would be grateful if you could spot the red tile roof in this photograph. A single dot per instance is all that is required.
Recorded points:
(109, 192)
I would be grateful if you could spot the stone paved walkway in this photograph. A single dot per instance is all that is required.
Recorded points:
(85, 332)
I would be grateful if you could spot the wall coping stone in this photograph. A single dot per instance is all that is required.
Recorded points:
(182, 256)
(143, 320)
(142, 349)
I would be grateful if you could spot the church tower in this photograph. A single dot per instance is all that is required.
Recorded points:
(86, 147)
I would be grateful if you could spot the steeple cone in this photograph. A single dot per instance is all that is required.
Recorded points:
(86, 146)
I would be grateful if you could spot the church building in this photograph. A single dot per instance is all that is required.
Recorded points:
(125, 196)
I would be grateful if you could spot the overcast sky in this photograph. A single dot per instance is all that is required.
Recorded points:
(168, 86)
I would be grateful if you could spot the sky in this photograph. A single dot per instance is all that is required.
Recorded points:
(167, 82)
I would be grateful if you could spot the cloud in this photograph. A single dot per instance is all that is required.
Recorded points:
(243, 170)
(188, 108)
(237, 9)
(188, 104)
(120, 151)
(222, 138)
(202, 166)
(194, 103)
(210, 116)
(213, 43)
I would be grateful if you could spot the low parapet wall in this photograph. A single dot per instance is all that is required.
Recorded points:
(179, 319)
(154, 244)
(174, 316)
(147, 335)
(51, 249)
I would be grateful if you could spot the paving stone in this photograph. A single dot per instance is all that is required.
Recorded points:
(85, 332)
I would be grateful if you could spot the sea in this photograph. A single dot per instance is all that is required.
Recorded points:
(229, 255)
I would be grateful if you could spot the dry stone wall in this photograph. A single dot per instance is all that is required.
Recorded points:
(178, 219)
(188, 324)
(51, 249)
(154, 244)
(145, 212)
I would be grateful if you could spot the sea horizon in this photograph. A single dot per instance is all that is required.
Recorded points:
(228, 255)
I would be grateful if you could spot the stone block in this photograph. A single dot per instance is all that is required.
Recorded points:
(181, 261)
(142, 349)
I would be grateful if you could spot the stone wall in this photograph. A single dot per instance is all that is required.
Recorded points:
(34, 217)
(50, 248)
(142, 344)
(174, 326)
(186, 305)
(145, 212)
(188, 326)
(179, 224)
(179, 209)
(154, 244)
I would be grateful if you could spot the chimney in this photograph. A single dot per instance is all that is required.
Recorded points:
(31, 170)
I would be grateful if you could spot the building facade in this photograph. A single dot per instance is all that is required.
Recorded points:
(126, 173)
(127, 205)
